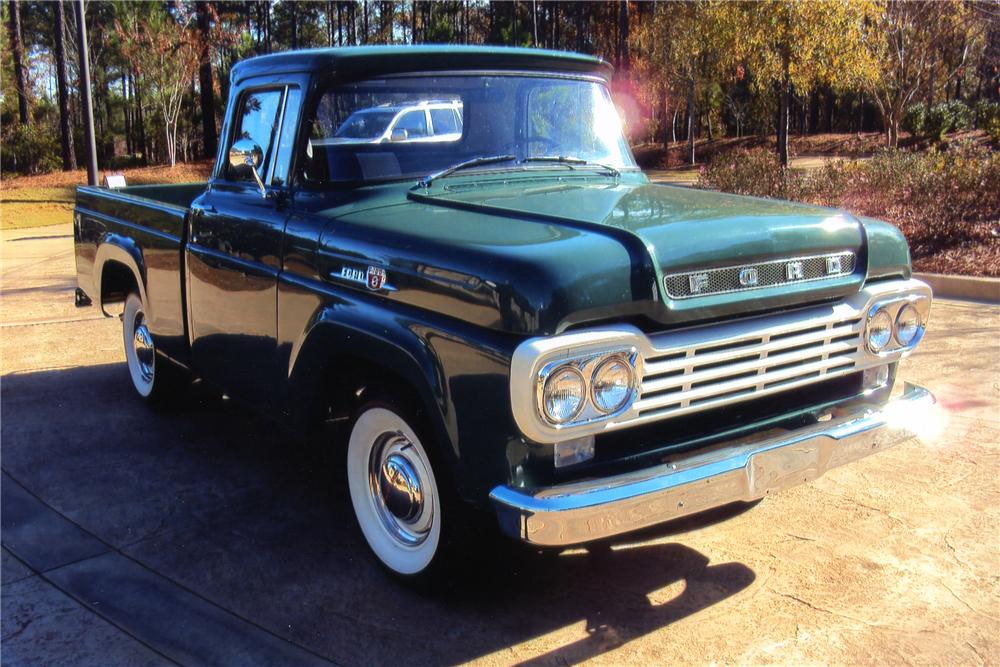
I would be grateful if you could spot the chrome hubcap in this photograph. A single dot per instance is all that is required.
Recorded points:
(142, 342)
(397, 482)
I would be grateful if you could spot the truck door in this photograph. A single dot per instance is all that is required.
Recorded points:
(234, 252)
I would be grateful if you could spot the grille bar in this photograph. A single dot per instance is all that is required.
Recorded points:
(689, 361)
(759, 275)
(680, 378)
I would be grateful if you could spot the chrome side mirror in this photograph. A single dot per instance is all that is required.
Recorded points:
(244, 153)
(399, 135)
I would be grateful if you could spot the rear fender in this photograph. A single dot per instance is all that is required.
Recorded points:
(125, 251)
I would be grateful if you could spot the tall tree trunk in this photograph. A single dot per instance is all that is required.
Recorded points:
(364, 19)
(20, 68)
(690, 121)
(623, 38)
(65, 127)
(814, 112)
(534, 23)
(784, 102)
(140, 118)
(127, 115)
(209, 140)
(667, 125)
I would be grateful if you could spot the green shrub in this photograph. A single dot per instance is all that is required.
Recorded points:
(948, 117)
(31, 149)
(961, 115)
(914, 120)
(987, 117)
(938, 121)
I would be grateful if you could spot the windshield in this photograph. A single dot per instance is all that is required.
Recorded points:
(365, 125)
(445, 120)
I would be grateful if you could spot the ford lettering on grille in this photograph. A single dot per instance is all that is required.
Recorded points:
(757, 276)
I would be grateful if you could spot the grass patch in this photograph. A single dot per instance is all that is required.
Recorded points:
(47, 199)
(23, 215)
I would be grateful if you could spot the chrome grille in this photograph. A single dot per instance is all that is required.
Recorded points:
(679, 378)
(769, 274)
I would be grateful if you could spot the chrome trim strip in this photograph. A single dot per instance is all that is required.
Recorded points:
(848, 266)
(735, 471)
(765, 355)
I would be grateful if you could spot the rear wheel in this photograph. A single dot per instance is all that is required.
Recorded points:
(155, 380)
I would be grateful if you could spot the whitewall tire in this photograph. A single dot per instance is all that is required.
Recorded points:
(393, 490)
(140, 353)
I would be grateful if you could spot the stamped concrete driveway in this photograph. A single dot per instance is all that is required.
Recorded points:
(205, 536)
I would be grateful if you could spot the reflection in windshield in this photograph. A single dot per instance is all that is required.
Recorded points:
(365, 125)
(410, 127)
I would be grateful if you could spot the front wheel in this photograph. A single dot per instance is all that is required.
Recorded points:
(395, 493)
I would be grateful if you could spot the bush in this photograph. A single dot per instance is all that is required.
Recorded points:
(938, 122)
(987, 115)
(915, 119)
(961, 115)
(948, 117)
(30, 149)
(749, 171)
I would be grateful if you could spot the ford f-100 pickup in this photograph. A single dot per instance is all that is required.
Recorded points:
(452, 250)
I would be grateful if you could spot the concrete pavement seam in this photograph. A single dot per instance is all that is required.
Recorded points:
(116, 550)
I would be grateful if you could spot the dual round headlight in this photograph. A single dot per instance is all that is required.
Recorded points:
(907, 324)
(881, 328)
(565, 392)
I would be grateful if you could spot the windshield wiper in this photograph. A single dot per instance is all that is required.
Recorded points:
(570, 160)
(426, 181)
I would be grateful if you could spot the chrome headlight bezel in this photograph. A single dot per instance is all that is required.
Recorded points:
(921, 303)
(586, 365)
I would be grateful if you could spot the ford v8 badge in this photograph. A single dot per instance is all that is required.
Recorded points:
(376, 278)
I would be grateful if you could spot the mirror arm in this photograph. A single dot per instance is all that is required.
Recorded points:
(256, 176)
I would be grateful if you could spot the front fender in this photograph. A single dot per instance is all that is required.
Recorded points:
(459, 372)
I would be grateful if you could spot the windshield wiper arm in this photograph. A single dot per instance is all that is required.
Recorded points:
(570, 160)
(426, 181)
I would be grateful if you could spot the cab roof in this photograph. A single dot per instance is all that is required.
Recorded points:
(357, 62)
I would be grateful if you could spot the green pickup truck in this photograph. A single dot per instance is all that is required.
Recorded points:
(451, 252)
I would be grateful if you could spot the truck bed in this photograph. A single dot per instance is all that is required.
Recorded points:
(140, 228)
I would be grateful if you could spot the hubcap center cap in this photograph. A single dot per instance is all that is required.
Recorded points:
(399, 485)
(144, 351)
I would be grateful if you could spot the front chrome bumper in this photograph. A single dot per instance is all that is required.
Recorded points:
(734, 471)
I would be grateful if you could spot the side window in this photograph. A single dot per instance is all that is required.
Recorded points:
(445, 121)
(258, 117)
(414, 122)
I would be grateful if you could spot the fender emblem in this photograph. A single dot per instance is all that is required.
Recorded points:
(374, 278)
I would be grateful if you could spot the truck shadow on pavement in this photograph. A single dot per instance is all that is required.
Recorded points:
(225, 512)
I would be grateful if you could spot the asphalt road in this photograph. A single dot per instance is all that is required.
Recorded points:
(203, 535)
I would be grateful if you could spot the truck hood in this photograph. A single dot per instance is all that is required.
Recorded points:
(684, 231)
(547, 254)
